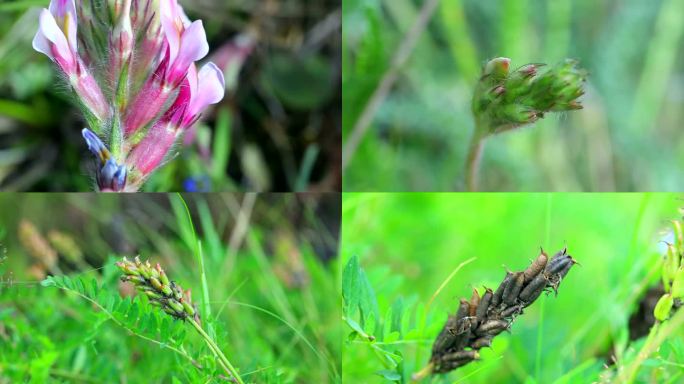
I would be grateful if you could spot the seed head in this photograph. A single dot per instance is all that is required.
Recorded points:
(479, 320)
(153, 283)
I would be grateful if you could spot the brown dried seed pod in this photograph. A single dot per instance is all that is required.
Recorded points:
(532, 290)
(492, 327)
(462, 355)
(557, 265)
(496, 299)
(446, 339)
(567, 267)
(474, 302)
(484, 304)
(512, 311)
(510, 294)
(537, 266)
(482, 342)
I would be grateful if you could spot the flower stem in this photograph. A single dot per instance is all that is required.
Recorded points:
(475, 155)
(423, 373)
(217, 352)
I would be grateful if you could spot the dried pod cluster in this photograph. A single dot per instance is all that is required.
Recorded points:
(153, 282)
(481, 318)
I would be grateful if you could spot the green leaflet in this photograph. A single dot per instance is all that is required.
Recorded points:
(136, 315)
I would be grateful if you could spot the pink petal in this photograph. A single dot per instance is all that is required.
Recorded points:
(52, 35)
(152, 150)
(193, 46)
(210, 88)
(170, 26)
(64, 12)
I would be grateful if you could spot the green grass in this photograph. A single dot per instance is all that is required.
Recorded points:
(409, 244)
(627, 137)
(267, 300)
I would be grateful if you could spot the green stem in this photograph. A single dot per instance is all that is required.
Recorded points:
(217, 352)
(474, 155)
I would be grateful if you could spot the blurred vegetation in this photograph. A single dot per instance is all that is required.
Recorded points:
(627, 138)
(277, 129)
(409, 245)
(270, 264)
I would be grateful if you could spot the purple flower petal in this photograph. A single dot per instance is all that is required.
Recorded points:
(64, 12)
(210, 88)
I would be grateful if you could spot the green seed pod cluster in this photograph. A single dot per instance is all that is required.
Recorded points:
(153, 282)
(507, 100)
(672, 275)
(478, 320)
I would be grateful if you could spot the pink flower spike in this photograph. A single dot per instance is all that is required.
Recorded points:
(51, 41)
(209, 89)
(149, 153)
(192, 46)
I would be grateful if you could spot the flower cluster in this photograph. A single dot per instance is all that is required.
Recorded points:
(480, 319)
(131, 65)
(153, 282)
(504, 100)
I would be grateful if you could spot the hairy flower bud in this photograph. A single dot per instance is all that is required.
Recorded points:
(504, 100)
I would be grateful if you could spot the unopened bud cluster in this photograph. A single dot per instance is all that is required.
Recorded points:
(131, 66)
(483, 317)
(505, 100)
(672, 275)
(161, 292)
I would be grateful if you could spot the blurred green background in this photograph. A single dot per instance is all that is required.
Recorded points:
(270, 262)
(277, 128)
(409, 244)
(627, 138)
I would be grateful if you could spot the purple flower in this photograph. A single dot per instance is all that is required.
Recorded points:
(143, 52)
(56, 38)
(197, 92)
(110, 176)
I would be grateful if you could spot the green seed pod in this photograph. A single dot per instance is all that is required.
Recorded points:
(178, 307)
(663, 307)
(677, 290)
(671, 264)
(679, 237)
(162, 277)
(155, 283)
(188, 308)
(153, 295)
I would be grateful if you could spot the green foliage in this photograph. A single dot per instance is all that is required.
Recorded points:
(134, 314)
(277, 322)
